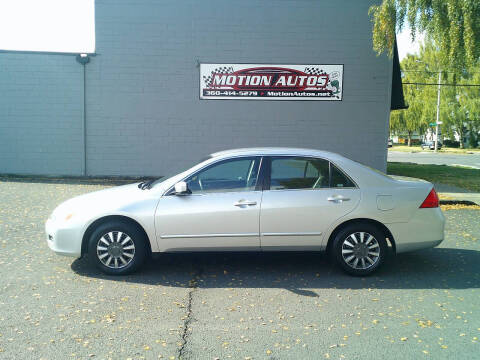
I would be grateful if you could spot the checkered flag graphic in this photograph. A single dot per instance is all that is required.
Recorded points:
(221, 70)
(317, 71)
(314, 71)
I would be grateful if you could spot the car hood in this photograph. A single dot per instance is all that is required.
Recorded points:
(118, 199)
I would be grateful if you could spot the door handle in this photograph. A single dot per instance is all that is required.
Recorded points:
(337, 198)
(245, 203)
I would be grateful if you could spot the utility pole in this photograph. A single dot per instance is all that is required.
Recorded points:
(438, 109)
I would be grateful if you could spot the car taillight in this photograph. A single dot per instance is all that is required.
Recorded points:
(431, 201)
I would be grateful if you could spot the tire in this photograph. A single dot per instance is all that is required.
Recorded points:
(117, 248)
(355, 259)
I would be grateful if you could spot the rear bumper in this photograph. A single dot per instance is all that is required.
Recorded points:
(426, 229)
(63, 240)
(418, 246)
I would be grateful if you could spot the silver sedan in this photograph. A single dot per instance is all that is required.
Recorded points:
(269, 199)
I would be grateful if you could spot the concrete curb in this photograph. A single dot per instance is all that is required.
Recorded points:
(91, 180)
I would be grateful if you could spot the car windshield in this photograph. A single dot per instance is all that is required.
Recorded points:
(168, 176)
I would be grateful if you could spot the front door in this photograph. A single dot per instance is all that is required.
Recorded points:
(306, 195)
(221, 213)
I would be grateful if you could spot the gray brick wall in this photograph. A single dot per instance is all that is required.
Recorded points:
(41, 112)
(144, 116)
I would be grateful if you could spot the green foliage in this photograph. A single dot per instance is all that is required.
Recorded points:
(472, 140)
(453, 25)
(459, 105)
(461, 177)
(421, 100)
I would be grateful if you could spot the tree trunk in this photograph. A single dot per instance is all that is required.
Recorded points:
(460, 134)
(409, 138)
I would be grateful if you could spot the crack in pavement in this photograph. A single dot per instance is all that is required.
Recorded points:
(186, 331)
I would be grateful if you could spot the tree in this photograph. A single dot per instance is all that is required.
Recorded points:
(467, 103)
(459, 106)
(418, 98)
(453, 25)
(473, 107)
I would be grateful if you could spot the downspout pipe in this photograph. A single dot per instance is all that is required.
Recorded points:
(84, 59)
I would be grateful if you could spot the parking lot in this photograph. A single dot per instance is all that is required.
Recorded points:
(230, 306)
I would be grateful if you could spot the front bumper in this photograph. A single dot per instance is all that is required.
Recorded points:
(425, 230)
(63, 239)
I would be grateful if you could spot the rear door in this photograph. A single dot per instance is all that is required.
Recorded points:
(303, 196)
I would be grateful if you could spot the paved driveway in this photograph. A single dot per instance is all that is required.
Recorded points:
(423, 305)
(472, 160)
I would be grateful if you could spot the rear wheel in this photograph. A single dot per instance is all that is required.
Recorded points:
(117, 248)
(360, 249)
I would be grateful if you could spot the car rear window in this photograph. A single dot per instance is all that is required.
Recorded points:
(339, 179)
(306, 173)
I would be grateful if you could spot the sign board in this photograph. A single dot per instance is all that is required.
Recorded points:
(271, 82)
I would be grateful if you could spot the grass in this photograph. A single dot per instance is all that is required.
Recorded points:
(417, 148)
(461, 177)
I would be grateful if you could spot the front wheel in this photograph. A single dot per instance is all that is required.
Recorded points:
(360, 249)
(117, 248)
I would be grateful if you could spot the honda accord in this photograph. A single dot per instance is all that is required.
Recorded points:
(264, 199)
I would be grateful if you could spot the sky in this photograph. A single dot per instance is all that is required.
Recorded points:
(69, 26)
(405, 44)
(47, 25)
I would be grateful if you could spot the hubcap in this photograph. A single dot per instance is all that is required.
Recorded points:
(360, 250)
(115, 249)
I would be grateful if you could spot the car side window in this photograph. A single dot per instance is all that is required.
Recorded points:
(227, 176)
(299, 173)
(339, 179)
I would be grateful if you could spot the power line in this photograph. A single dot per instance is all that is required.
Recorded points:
(435, 84)
(435, 72)
(450, 71)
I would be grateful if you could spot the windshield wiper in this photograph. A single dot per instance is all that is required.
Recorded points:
(146, 184)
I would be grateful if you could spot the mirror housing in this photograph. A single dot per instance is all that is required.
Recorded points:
(181, 188)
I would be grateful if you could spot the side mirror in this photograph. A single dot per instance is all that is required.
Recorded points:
(181, 188)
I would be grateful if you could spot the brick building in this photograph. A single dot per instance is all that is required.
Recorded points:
(135, 109)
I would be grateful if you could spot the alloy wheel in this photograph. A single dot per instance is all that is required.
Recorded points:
(360, 250)
(115, 249)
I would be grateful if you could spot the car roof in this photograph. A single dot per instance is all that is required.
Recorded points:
(276, 151)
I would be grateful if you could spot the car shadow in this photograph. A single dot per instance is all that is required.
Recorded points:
(301, 273)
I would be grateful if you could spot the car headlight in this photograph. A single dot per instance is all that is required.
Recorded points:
(60, 217)
(68, 217)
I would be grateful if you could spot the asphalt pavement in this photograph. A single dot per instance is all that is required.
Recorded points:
(430, 157)
(422, 305)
